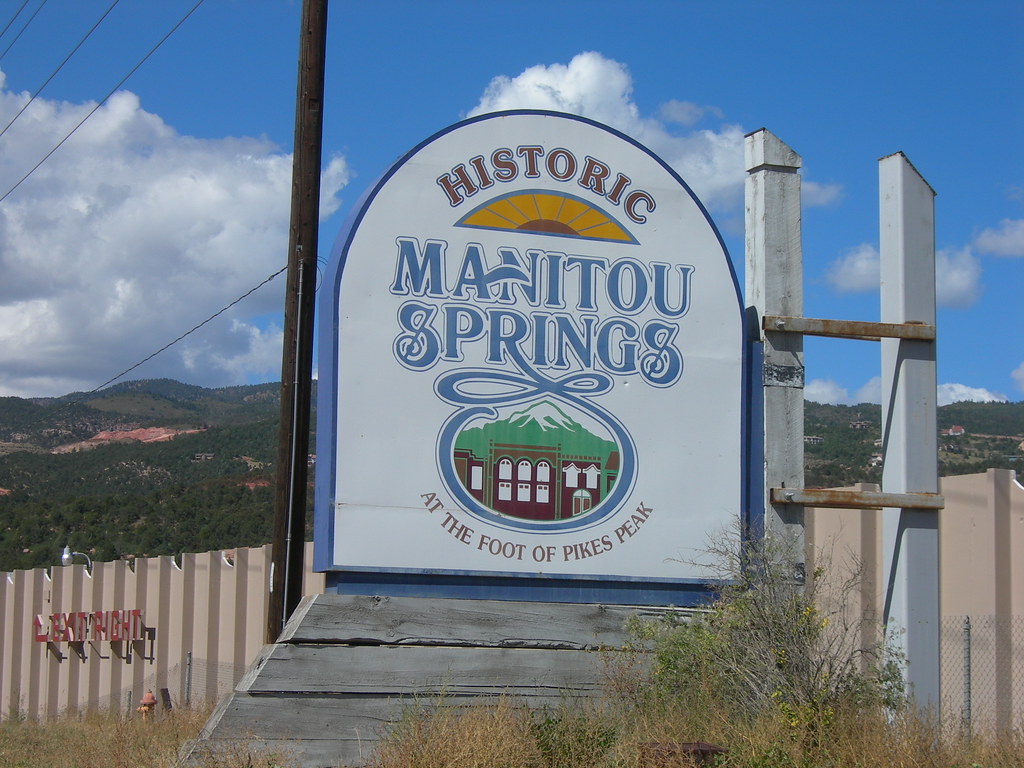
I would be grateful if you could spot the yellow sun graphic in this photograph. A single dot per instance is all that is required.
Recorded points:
(549, 213)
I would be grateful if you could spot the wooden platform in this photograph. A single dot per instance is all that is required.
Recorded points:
(347, 666)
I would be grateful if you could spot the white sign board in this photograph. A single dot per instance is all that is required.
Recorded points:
(531, 364)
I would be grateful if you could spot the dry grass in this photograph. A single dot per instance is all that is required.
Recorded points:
(510, 736)
(98, 740)
(856, 738)
(103, 740)
(452, 737)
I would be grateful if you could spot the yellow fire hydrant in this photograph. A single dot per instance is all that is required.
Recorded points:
(147, 704)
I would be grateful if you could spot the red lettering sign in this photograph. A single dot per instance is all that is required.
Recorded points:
(83, 626)
(41, 635)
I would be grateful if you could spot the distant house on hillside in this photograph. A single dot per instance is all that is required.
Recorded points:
(954, 431)
(813, 440)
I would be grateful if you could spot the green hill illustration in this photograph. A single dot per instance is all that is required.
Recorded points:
(541, 425)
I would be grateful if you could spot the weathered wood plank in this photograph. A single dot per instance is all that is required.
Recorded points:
(296, 716)
(320, 730)
(366, 717)
(848, 329)
(327, 731)
(442, 621)
(407, 670)
(351, 666)
(842, 499)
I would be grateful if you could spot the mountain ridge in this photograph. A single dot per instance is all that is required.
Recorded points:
(215, 488)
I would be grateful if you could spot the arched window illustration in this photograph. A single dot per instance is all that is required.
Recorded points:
(543, 472)
(505, 469)
(525, 470)
(581, 502)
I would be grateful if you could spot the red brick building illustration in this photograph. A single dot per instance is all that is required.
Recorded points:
(536, 483)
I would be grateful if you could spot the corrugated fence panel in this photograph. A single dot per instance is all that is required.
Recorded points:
(74, 640)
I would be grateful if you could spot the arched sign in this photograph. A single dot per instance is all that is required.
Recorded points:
(531, 373)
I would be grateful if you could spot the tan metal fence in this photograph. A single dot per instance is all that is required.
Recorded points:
(184, 628)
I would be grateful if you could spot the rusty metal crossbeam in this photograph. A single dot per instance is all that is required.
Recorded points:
(848, 329)
(821, 497)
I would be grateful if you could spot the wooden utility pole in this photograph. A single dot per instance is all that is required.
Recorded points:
(297, 355)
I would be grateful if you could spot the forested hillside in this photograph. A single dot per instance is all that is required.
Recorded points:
(850, 448)
(206, 481)
(75, 470)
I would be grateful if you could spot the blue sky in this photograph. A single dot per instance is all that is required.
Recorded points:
(172, 199)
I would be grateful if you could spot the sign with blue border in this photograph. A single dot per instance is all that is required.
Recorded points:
(531, 373)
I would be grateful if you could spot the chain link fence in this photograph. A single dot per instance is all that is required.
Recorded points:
(983, 672)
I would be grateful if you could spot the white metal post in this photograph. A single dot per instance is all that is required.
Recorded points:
(774, 286)
(910, 536)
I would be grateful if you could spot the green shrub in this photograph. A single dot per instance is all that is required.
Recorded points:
(771, 643)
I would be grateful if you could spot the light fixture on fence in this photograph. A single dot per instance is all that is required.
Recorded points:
(67, 558)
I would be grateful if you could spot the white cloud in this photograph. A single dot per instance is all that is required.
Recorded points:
(813, 194)
(131, 234)
(955, 393)
(333, 177)
(870, 392)
(710, 161)
(1005, 240)
(686, 113)
(828, 392)
(857, 271)
(957, 275)
(1018, 376)
(957, 278)
(589, 85)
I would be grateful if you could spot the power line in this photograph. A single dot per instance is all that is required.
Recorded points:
(189, 332)
(23, 28)
(17, 13)
(103, 101)
(83, 395)
(60, 66)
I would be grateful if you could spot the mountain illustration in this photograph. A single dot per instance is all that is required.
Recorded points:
(546, 415)
(542, 424)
